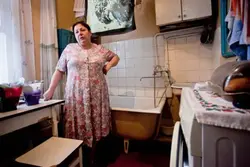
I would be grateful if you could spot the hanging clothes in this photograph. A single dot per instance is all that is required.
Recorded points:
(79, 8)
(238, 19)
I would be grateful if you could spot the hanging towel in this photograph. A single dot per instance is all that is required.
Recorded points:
(237, 19)
(247, 22)
(246, 28)
(79, 8)
(235, 27)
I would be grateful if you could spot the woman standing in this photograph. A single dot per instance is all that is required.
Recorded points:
(87, 111)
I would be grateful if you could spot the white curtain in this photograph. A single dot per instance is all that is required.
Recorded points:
(48, 43)
(16, 41)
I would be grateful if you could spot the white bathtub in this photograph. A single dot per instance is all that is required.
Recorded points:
(136, 104)
(135, 117)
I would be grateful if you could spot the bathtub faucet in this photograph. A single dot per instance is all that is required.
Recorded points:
(155, 73)
(149, 77)
(157, 69)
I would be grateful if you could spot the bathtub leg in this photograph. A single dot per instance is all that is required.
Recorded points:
(126, 145)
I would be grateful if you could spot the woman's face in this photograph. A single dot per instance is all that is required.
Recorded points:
(82, 34)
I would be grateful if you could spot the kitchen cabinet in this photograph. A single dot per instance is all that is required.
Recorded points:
(195, 9)
(169, 11)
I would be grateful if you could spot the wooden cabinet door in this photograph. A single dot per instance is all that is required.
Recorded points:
(167, 11)
(195, 9)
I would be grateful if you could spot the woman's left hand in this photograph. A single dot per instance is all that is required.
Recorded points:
(106, 68)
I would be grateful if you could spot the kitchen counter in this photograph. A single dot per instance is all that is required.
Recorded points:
(28, 115)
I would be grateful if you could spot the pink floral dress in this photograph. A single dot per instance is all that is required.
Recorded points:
(87, 111)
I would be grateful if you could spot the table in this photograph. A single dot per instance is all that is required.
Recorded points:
(28, 115)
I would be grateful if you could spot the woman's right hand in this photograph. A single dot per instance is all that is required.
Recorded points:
(48, 94)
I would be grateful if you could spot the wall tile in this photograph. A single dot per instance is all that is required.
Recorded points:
(120, 45)
(138, 44)
(121, 64)
(129, 44)
(122, 54)
(180, 43)
(129, 53)
(113, 82)
(139, 83)
(205, 75)
(193, 52)
(170, 44)
(148, 52)
(149, 92)
(147, 71)
(171, 55)
(146, 82)
(148, 62)
(179, 76)
(192, 76)
(122, 82)
(190, 61)
(206, 64)
(131, 82)
(138, 62)
(112, 73)
(122, 91)
(147, 44)
(131, 92)
(130, 62)
(205, 51)
(193, 42)
(130, 72)
(113, 91)
(187, 54)
(113, 46)
(188, 65)
(192, 39)
(173, 65)
(140, 92)
(121, 73)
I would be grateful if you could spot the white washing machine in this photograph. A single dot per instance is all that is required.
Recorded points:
(197, 144)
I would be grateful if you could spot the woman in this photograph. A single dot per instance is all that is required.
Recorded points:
(87, 110)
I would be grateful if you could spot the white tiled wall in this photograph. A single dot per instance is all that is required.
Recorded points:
(189, 60)
(136, 60)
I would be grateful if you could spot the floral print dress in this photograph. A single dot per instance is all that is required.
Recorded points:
(87, 114)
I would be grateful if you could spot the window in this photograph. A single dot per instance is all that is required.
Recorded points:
(3, 57)
(10, 41)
